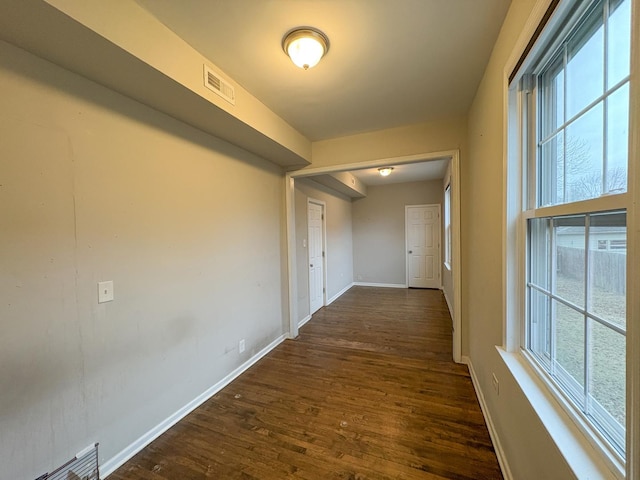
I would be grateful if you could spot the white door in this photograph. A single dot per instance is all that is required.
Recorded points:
(316, 260)
(423, 246)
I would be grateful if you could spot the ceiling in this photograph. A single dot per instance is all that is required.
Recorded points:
(390, 63)
(413, 172)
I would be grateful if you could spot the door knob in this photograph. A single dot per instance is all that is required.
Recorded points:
(311, 265)
(410, 251)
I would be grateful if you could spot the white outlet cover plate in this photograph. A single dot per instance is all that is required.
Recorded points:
(105, 291)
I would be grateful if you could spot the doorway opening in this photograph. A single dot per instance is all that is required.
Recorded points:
(454, 182)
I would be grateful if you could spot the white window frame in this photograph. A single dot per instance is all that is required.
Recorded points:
(582, 450)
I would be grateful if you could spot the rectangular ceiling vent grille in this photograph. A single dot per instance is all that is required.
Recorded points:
(217, 84)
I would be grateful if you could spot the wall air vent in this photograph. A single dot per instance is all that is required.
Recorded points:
(217, 84)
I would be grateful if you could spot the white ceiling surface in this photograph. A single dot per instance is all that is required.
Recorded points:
(414, 172)
(390, 62)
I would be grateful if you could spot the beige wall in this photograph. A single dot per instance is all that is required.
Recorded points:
(379, 229)
(339, 247)
(122, 23)
(95, 186)
(444, 135)
(530, 453)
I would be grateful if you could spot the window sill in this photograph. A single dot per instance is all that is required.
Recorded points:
(576, 448)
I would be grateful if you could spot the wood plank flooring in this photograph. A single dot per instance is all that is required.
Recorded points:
(367, 391)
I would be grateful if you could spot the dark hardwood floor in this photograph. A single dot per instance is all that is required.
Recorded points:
(367, 391)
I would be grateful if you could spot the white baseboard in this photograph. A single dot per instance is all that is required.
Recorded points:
(304, 320)
(384, 285)
(120, 458)
(329, 302)
(339, 294)
(446, 297)
(497, 446)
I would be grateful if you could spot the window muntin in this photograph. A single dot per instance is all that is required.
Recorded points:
(577, 116)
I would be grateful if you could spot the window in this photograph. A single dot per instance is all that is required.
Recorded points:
(576, 318)
(574, 106)
(447, 226)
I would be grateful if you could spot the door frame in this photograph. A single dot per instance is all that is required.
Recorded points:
(323, 236)
(290, 178)
(406, 241)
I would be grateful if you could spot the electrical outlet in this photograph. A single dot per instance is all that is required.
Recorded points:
(496, 384)
(241, 346)
(105, 291)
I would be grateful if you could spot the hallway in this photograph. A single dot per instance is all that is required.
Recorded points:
(368, 390)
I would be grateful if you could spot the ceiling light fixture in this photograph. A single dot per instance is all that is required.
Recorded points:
(385, 171)
(305, 46)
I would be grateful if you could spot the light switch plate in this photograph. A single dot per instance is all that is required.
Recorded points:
(105, 291)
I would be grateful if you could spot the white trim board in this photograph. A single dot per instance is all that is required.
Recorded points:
(108, 467)
(497, 446)
(329, 302)
(450, 309)
(383, 285)
(303, 321)
(339, 294)
(292, 275)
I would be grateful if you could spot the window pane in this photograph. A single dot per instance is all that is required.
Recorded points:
(618, 35)
(618, 139)
(569, 340)
(585, 65)
(552, 171)
(540, 252)
(607, 363)
(540, 326)
(583, 153)
(552, 83)
(569, 259)
(608, 267)
(607, 379)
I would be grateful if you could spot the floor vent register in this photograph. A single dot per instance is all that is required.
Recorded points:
(84, 466)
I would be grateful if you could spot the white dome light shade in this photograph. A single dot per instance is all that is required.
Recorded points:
(305, 46)
(385, 171)
(305, 52)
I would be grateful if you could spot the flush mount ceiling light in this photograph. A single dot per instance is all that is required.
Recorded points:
(305, 46)
(385, 171)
